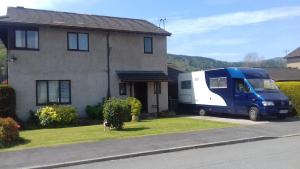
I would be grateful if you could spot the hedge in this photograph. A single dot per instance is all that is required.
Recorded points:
(56, 115)
(7, 101)
(292, 90)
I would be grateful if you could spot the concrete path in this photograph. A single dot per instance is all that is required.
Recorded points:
(75, 152)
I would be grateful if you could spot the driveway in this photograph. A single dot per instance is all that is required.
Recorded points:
(237, 120)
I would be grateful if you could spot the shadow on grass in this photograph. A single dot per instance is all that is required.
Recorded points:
(135, 129)
(20, 141)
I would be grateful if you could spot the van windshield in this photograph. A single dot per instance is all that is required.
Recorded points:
(263, 84)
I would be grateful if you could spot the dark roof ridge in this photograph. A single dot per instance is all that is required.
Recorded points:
(57, 11)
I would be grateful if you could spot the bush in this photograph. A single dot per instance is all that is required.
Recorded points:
(7, 101)
(9, 131)
(115, 112)
(56, 115)
(135, 108)
(292, 90)
(94, 112)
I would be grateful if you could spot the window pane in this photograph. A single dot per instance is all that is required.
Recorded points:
(20, 39)
(53, 92)
(148, 45)
(41, 92)
(122, 89)
(32, 39)
(72, 41)
(222, 82)
(65, 92)
(186, 84)
(83, 41)
(213, 83)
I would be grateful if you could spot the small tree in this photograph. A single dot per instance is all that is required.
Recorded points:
(115, 112)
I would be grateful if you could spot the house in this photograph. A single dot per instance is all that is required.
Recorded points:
(69, 58)
(293, 59)
(284, 74)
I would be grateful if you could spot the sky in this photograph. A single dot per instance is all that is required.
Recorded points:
(220, 29)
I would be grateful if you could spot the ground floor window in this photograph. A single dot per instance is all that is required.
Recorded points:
(122, 89)
(53, 92)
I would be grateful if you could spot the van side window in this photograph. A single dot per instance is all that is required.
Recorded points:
(218, 82)
(240, 86)
(187, 84)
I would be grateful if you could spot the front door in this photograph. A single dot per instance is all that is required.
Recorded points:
(242, 98)
(141, 93)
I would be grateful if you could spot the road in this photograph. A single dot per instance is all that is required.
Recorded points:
(280, 153)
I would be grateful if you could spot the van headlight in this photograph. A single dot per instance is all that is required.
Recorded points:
(290, 103)
(268, 103)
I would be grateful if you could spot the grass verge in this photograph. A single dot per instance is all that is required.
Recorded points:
(59, 136)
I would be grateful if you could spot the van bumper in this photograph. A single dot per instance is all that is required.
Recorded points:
(274, 111)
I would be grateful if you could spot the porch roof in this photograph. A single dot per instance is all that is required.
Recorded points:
(142, 76)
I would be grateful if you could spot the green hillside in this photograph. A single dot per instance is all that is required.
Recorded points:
(192, 63)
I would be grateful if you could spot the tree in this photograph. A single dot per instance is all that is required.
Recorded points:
(252, 60)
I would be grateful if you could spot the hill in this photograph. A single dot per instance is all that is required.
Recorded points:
(192, 63)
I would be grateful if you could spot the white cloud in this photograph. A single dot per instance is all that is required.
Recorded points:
(210, 23)
(29, 4)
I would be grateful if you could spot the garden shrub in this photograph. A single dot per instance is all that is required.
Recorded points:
(115, 112)
(94, 112)
(9, 131)
(56, 115)
(7, 101)
(135, 108)
(292, 90)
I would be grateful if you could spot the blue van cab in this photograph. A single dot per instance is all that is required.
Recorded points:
(245, 91)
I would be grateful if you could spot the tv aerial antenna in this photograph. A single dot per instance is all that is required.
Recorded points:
(162, 22)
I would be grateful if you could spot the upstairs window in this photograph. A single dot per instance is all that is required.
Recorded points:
(26, 39)
(148, 45)
(78, 41)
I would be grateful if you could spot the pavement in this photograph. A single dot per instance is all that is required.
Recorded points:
(105, 150)
(267, 154)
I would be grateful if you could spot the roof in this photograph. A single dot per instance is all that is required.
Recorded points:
(142, 76)
(20, 15)
(286, 74)
(294, 53)
(173, 72)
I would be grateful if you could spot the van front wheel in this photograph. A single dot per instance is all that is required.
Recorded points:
(254, 114)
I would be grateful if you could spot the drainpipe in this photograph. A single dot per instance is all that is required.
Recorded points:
(7, 53)
(108, 49)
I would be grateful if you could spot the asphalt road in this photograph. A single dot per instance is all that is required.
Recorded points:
(280, 153)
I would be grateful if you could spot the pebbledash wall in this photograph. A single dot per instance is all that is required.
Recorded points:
(86, 70)
(293, 62)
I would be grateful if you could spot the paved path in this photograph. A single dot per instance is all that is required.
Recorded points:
(268, 154)
(44, 156)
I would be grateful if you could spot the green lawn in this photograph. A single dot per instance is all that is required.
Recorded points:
(58, 136)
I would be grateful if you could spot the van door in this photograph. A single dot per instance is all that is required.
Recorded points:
(242, 96)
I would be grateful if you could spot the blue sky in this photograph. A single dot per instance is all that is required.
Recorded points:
(219, 29)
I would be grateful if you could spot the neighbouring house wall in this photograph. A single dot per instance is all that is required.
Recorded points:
(293, 62)
(86, 70)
